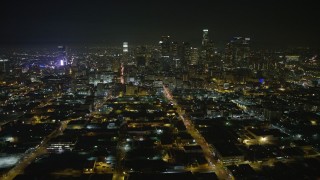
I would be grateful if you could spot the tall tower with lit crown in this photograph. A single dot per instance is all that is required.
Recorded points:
(205, 37)
(62, 55)
(125, 47)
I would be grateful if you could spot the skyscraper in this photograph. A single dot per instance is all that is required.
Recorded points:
(141, 56)
(205, 37)
(3, 65)
(165, 45)
(185, 54)
(207, 49)
(238, 51)
(125, 47)
(194, 56)
(62, 55)
(175, 49)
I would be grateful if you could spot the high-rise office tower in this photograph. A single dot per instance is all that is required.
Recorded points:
(165, 45)
(238, 51)
(141, 56)
(185, 53)
(205, 37)
(207, 49)
(3, 64)
(62, 55)
(125, 47)
(194, 56)
(175, 49)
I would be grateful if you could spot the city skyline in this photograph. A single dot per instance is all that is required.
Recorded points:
(268, 24)
(140, 90)
(166, 111)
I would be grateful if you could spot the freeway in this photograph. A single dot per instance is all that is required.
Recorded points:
(23, 163)
(30, 157)
(213, 165)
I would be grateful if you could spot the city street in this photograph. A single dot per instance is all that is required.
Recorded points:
(212, 164)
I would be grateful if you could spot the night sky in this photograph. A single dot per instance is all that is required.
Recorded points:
(269, 23)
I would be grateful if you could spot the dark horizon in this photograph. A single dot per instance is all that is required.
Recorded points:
(269, 24)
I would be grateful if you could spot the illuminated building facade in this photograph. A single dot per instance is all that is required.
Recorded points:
(125, 47)
(205, 37)
(238, 51)
(3, 65)
(165, 45)
(62, 56)
(194, 56)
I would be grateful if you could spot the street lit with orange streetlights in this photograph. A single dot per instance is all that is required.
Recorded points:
(213, 165)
